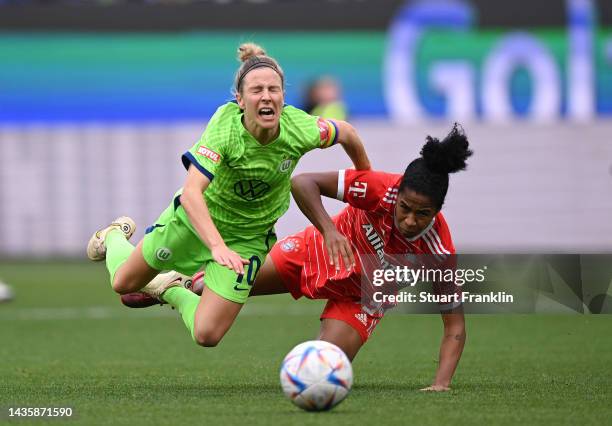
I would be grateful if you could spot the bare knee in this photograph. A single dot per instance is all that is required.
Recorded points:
(342, 335)
(214, 316)
(122, 286)
(125, 282)
(133, 274)
(118, 287)
(207, 337)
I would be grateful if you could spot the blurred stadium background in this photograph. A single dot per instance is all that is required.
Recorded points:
(98, 100)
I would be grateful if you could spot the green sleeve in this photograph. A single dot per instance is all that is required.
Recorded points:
(209, 152)
(315, 132)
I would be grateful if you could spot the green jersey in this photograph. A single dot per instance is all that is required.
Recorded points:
(250, 182)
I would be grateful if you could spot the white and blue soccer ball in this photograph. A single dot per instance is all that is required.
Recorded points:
(316, 375)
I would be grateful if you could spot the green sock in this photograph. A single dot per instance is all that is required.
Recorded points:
(118, 249)
(186, 302)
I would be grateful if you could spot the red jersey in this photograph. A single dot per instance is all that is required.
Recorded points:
(368, 222)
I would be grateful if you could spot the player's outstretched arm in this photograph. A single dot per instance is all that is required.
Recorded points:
(307, 189)
(450, 349)
(195, 206)
(351, 142)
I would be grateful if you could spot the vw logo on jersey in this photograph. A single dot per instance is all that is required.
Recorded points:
(285, 166)
(251, 189)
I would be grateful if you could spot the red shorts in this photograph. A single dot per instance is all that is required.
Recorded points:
(288, 256)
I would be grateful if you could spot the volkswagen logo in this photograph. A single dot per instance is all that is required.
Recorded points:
(251, 189)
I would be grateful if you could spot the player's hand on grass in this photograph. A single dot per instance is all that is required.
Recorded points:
(339, 247)
(229, 258)
(436, 388)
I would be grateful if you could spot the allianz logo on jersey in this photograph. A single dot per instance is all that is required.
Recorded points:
(378, 245)
(376, 242)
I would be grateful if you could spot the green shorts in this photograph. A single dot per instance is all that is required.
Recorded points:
(171, 245)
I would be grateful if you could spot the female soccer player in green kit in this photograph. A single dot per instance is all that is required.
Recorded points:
(237, 186)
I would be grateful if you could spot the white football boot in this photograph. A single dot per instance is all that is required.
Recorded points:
(96, 249)
(163, 282)
(140, 299)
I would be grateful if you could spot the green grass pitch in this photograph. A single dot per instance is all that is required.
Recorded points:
(66, 341)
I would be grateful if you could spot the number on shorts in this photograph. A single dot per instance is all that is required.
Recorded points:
(254, 265)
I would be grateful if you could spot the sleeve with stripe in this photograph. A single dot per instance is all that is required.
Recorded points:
(208, 153)
(439, 237)
(328, 132)
(362, 189)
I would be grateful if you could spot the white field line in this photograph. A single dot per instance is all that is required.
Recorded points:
(107, 312)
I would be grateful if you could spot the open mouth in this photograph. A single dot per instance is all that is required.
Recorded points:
(266, 112)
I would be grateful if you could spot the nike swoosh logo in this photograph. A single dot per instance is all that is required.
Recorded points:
(239, 279)
(240, 289)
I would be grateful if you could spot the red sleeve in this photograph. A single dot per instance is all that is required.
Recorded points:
(442, 242)
(364, 189)
(442, 236)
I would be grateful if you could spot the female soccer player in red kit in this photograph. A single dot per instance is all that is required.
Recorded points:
(386, 213)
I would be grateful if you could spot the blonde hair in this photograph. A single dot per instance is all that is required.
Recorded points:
(247, 50)
(254, 56)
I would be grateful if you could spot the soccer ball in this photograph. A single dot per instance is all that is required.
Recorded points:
(316, 375)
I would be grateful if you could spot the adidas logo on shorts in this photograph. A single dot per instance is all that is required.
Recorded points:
(362, 318)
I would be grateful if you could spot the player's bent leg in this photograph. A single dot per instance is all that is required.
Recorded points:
(282, 270)
(268, 280)
(150, 295)
(134, 273)
(96, 247)
(342, 335)
(346, 324)
(214, 316)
